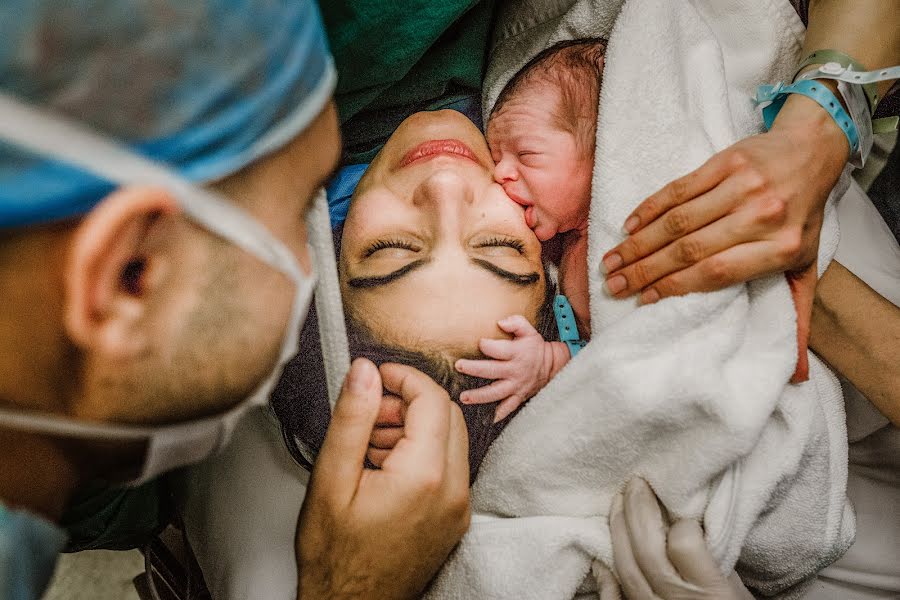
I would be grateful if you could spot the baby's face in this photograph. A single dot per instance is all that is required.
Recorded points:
(539, 163)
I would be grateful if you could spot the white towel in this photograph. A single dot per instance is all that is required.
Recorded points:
(691, 393)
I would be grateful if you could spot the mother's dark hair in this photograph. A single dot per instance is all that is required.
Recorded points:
(300, 399)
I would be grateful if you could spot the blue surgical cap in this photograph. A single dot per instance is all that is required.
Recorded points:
(205, 87)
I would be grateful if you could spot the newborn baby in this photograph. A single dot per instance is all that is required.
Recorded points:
(542, 134)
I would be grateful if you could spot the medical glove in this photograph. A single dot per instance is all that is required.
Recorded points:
(384, 533)
(521, 366)
(657, 562)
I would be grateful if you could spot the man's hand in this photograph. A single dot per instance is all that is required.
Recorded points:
(384, 533)
(388, 429)
(658, 562)
(521, 366)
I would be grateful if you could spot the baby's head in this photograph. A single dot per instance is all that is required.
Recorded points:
(541, 133)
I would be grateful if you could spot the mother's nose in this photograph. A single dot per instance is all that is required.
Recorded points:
(445, 187)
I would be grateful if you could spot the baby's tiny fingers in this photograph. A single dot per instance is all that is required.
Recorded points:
(507, 407)
(494, 392)
(517, 325)
(499, 349)
(486, 369)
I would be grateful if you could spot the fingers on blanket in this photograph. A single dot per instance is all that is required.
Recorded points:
(739, 263)
(673, 230)
(677, 192)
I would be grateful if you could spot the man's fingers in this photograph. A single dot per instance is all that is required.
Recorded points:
(486, 369)
(377, 456)
(385, 437)
(689, 554)
(457, 466)
(506, 408)
(679, 191)
(516, 325)
(681, 254)
(648, 534)
(735, 265)
(494, 392)
(499, 349)
(426, 423)
(391, 411)
(673, 225)
(347, 438)
(633, 582)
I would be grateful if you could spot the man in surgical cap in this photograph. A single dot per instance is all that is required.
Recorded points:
(157, 162)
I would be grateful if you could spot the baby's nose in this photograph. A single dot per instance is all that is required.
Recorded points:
(505, 171)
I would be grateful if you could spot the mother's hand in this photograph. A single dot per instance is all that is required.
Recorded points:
(753, 209)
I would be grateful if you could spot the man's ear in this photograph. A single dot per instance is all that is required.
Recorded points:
(111, 270)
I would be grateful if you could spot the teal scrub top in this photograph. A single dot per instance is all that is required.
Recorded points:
(29, 547)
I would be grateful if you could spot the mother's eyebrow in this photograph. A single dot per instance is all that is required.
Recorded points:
(522, 280)
(379, 280)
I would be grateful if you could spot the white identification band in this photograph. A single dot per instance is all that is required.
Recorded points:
(836, 71)
(858, 107)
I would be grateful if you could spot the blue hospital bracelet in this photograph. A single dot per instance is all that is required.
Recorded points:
(565, 323)
(773, 97)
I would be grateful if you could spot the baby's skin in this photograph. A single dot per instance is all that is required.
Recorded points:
(547, 168)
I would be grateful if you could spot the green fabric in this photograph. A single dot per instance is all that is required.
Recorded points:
(394, 58)
(113, 518)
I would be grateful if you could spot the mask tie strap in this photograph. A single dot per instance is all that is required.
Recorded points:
(62, 139)
(329, 309)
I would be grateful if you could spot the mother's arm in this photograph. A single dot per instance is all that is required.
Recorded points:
(755, 208)
(857, 331)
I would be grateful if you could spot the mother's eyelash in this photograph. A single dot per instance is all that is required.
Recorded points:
(503, 241)
(388, 243)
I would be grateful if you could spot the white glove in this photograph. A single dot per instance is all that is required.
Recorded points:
(658, 562)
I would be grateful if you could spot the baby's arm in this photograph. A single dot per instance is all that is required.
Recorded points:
(573, 280)
(521, 366)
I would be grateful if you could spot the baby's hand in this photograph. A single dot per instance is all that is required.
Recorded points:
(388, 429)
(523, 366)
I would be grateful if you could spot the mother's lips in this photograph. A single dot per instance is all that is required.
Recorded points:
(433, 148)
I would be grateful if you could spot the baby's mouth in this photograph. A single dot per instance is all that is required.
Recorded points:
(530, 219)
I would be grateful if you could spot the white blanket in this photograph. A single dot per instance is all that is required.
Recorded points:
(691, 393)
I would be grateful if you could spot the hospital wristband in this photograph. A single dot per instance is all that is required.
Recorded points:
(772, 98)
(841, 72)
(565, 323)
(829, 56)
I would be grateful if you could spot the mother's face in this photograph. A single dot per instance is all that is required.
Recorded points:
(433, 252)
